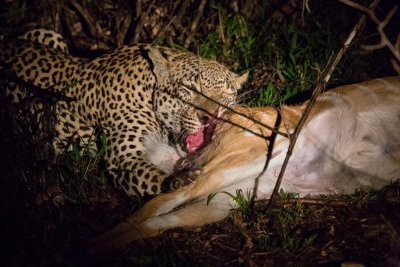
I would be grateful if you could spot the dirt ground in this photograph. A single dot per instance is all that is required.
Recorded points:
(340, 231)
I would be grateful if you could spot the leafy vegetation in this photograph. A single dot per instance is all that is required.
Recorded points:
(291, 57)
(80, 171)
(243, 201)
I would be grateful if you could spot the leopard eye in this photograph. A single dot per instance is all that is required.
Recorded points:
(191, 88)
(187, 89)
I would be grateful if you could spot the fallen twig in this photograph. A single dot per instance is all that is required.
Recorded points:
(308, 201)
(138, 29)
(259, 204)
(385, 42)
(195, 22)
(181, 12)
(123, 22)
(221, 26)
(164, 30)
(93, 26)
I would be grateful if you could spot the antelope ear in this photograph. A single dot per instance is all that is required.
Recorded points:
(240, 80)
(161, 66)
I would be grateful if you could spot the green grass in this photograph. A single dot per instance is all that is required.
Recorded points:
(285, 220)
(243, 201)
(289, 219)
(288, 195)
(288, 226)
(80, 173)
(292, 57)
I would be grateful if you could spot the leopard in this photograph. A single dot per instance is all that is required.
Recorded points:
(142, 96)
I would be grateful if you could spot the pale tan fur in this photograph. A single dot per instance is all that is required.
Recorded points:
(351, 140)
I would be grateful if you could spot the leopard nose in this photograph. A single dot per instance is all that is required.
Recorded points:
(206, 117)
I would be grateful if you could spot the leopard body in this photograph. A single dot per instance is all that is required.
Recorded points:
(132, 92)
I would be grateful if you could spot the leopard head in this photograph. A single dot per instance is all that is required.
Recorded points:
(190, 88)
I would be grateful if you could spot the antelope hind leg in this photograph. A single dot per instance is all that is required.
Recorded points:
(194, 214)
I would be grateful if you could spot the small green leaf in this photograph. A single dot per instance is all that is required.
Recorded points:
(210, 197)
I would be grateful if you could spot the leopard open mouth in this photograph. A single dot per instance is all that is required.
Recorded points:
(197, 141)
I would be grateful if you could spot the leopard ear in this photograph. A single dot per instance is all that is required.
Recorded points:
(161, 66)
(240, 80)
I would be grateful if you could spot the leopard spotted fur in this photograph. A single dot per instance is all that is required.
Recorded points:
(133, 92)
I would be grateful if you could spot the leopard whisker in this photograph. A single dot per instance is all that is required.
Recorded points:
(244, 95)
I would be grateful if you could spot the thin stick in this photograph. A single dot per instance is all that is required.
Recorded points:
(94, 27)
(381, 25)
(164, 30)
(306, 201)
(318, 89)
(221, 26)
(355, 5)
(195, 22)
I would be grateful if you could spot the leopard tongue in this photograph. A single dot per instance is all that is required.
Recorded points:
(194, 141)
(201, 138)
